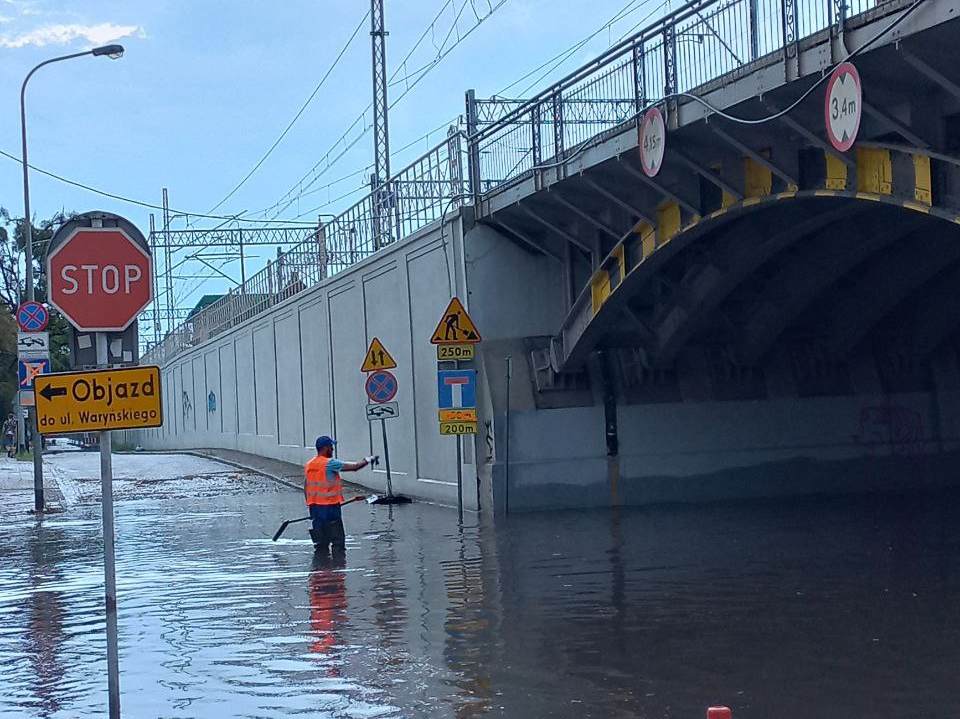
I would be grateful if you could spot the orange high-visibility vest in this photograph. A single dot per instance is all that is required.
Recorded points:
(320, 488)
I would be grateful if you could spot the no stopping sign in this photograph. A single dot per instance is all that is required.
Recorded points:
(381, 386)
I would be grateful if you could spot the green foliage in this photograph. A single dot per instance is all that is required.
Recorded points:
(13, 291)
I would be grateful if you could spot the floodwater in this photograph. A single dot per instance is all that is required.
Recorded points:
(791, 609)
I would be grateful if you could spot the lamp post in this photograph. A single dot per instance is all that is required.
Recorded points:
(111, 51)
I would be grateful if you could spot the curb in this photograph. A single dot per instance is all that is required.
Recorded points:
(269, 475)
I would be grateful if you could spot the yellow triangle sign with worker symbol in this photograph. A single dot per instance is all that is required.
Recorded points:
(377, 358)
(456, 327)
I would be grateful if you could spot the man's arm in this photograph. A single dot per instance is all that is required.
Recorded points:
(354, 466)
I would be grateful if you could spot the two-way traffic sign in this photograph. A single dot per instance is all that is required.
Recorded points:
(377, 358)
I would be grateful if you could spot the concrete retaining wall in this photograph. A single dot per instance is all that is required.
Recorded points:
(280, 379)
(684, 452)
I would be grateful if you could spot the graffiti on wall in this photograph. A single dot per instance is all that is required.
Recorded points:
(187, 405)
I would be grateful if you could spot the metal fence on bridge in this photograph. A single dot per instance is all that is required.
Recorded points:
(506, 139)
(699, 43)
(413, 198)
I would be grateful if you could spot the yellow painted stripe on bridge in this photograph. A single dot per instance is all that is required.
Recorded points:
(917, 206)
(874, 170)
(836, 173)
(922, 184)
(599, 289)
(668, 222)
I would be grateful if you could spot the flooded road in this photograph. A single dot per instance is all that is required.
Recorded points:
(789, 609)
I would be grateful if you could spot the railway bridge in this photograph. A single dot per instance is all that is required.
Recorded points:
(766, 314)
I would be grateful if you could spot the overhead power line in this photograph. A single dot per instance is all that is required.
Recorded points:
(300, 112)
(140, 203)
(315, 173)
(564, 55)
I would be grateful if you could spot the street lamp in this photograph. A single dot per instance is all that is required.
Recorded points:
(111, 51)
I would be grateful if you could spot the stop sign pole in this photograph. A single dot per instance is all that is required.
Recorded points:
(99, 272)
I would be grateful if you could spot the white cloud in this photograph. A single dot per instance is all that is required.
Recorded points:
(99, 34)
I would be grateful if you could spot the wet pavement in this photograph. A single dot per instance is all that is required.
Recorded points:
(792, 609)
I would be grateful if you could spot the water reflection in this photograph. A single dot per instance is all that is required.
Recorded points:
(843, 607)
(328, 609)
(44, 636)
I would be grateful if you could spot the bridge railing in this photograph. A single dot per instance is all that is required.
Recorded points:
(414, 197)
(686, 49)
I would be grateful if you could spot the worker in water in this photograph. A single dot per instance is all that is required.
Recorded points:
(323, 490)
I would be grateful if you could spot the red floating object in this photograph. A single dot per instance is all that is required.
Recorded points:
(719, 713)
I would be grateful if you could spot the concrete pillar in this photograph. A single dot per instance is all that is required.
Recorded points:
(946, 398)
(693, 375)
(864, 377)
(778, 374)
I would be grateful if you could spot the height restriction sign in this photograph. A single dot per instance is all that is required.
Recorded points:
(842, 106)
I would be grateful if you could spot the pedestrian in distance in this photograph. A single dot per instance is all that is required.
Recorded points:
(10, 435)
(323, 491)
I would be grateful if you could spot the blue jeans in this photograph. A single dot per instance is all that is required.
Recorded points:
(323, 513)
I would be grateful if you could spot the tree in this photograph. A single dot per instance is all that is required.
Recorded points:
(13, 292)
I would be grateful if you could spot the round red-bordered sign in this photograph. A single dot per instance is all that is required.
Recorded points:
(32, 316)
(653, 141)
(843, 106)
(381, 386)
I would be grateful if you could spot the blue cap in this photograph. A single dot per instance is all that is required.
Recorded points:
(324, 441)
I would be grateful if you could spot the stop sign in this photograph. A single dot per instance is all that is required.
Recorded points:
(99, 278)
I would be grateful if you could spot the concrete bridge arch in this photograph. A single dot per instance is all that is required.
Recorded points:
(744, 273)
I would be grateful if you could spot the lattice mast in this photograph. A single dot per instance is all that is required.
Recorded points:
(381, 133)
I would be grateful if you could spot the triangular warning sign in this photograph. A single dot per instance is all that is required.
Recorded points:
(456, 327)
(377, 358)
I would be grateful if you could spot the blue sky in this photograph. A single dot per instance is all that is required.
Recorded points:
(207, 86)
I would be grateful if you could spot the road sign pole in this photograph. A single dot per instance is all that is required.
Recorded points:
(460, 477)
(506, 441)
(36, 445)
(386, 456)
(456, 365)
(109, 559)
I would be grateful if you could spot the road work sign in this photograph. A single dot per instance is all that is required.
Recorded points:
(377, 358)
(456, 327)
(127, 398)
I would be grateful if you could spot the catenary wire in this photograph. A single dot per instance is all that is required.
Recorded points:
(297, 116)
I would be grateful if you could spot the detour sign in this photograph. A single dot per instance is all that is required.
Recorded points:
(127, 398)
